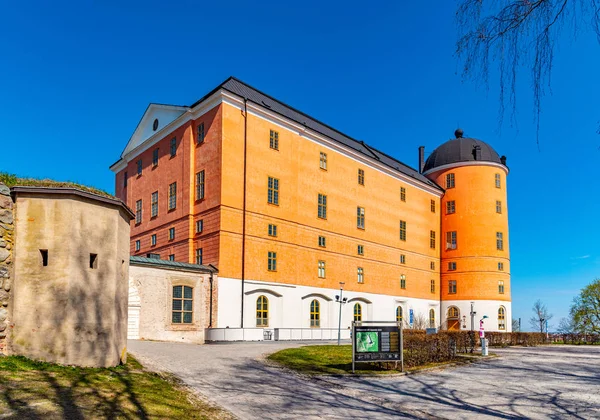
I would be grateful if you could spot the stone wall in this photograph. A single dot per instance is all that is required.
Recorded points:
(6, 250)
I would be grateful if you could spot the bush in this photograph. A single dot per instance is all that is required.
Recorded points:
(422, 349)
(575, 338)
(500, 339)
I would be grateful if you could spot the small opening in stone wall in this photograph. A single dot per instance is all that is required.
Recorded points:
(93, 260)
(44, 254)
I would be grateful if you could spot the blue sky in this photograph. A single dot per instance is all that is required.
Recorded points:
(75, 78)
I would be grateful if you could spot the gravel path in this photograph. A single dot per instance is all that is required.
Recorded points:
(541, 382)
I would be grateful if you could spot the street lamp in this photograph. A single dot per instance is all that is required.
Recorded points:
(341, 301)
(473, 313)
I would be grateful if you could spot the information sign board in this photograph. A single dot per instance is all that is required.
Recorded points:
(377, 343)
(411, 316)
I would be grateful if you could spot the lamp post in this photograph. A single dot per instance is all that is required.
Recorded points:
(473, 313)
(341, 300)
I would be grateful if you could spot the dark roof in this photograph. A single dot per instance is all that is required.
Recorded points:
(460, 150)
(172, 265)
(257, 97)
(18, 189)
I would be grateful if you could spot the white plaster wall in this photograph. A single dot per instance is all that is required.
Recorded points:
(481, 307)
(289, 305)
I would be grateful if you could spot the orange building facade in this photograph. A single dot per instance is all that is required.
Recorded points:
(288, 208)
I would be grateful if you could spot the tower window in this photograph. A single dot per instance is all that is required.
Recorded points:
(361, 250)
(360, 217)
(360, 275)
(450, 207)
(452, 287)
(322, 242)
(432, 265)
(272, 261)
(173, 146)
(432, 239)
(501, 287)
(138, 211)
(153, 240)
(273, 191)
(199, 256)
(497, 180)
(199, 226)
(139, 167)
(173, 196)
(500, 266)
(402, 259)
(200, 185)
(451, 241)
(361, 177)
(452, 266)
(403, 281)
(402, 230)
(498, 206)
(449, 180)
(321, 269)
(171, 233)
(155, 157)
(433, 206)
(200, 138)
(323, 161)
(44, 255)
(402, 194)
(154, 205)
(322, 206)
(499, 241)
(273, 230)
(432, 286)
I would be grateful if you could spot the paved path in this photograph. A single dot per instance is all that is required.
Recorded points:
(541, 382)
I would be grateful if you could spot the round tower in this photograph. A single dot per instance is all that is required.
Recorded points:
(475, 260)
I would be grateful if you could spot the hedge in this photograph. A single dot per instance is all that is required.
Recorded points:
(574, 338)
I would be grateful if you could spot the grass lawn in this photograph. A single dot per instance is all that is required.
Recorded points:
(33, 390)
(315, 360)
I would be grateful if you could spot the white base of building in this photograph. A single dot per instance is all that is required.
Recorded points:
(489, 308)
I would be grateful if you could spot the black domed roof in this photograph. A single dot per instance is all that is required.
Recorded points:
(461, 149)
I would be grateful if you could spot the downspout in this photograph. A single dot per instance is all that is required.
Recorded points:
(210, 313)
(244, 213)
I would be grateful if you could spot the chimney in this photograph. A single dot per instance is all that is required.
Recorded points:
(477, 152)
(503, 160)
(421, 158)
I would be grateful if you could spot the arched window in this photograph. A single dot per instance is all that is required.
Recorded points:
(262, 311)
(501, 318)
(453, 312)
(357, 312)
(399, 314)
(315, 313)
(182, 305)
(431, 318)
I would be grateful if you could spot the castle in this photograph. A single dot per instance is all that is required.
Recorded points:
(291, 210)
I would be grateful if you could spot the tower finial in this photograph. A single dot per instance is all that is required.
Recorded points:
(458, 133)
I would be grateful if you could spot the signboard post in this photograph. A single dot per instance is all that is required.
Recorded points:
(377, 341)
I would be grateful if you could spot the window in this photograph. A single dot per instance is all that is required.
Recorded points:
(173, 146)
(501, 318)
(322, 242)
(452, 287)
(453, 312)
(315, 314)
(360, 275)
(153, 240)
(361, 177)
(360, 217)
(200, 185)
(323, 161)
(138, 211)
(431, 318)
(499, 241)
(403, 281)
(262, 311)
(451, 240)
(452, 266)
(402, 230)
(272, 261)
(153, 256)
(402, 194)
(273, 230)
(432, 265)
(273, 193)
(199, 226)
(200, 138)
(449, 180)
(171, 233)
(182, 305)
(501, 287)
(137, 245)
(357, 312)
(450, 207)
(274, 140)
(498, 206)
(432, 239)
(155, 157)
(432, 286)
(172, 257)
(139, 167)
(173, 196)
(321, 269)
(125, 180)
(399, 314)
(497, 180)
(432, 206)
(44, 255)
(402, 259)
(322, 210)
(361, 250)
(199, 255)
(500, 266)
(154, 205)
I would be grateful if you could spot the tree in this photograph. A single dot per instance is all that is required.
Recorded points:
(585, 310)
(514, 34)
(566, 326)
(515, 325)
(420, 322)
(541, 315)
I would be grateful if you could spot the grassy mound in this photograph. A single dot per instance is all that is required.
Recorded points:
(11, 180)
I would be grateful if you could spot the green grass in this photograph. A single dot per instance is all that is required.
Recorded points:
(11, 180)
(30, 389)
